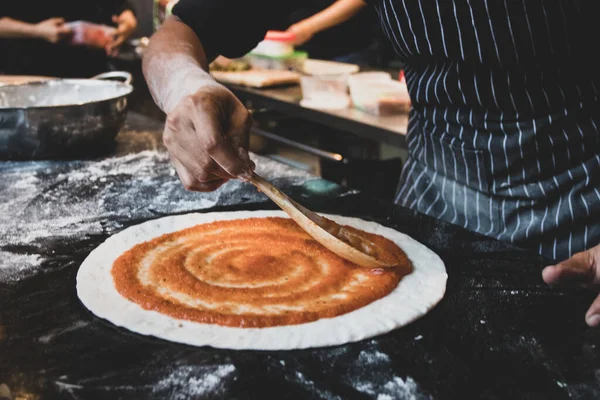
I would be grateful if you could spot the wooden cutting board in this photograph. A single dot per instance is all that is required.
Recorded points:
(258, 78)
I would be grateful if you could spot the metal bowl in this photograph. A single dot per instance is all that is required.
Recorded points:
(62, 118)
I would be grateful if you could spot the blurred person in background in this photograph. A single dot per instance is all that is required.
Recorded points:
(337, 30)
(35, 36)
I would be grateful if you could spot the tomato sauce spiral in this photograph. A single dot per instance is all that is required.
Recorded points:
(255, 272)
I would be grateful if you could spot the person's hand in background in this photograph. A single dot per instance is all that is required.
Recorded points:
(338, 12)
(126, 26)
(583, 269)
(52, 30)
(303, 32)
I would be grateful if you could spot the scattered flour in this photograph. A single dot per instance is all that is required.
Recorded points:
(372, 357)
(14, 267)
(317, 391)
(67, 387)
(185, 382)
(371, 374)
(47, 205)
(397, 388)
(57, 332)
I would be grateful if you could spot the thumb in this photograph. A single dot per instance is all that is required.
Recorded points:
(592, 317)
(65, 30)
(116, 19)
(57, 21)
(578, 269)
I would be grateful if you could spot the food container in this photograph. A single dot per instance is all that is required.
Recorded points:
(292, 62)
(90, 34)
(325, 91)
(383, 97)
(370, 76)
(276, 44)
(325, 67)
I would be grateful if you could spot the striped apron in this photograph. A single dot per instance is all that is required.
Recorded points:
(503, 135)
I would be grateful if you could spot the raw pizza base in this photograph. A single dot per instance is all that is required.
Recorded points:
(414, 296)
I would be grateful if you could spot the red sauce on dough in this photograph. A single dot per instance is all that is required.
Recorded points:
(256, 272)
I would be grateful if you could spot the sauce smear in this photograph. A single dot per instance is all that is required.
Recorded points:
(256, 272)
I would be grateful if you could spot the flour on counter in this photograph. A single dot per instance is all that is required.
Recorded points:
(49, 337)
(67, 387)
(371, 375)
(310, 386)
(14, 267)
(185, 382)
(373, 357)
(397, 388)
(48, 205)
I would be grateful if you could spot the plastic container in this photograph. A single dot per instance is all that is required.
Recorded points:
(325, 67)
(325, 92)
(371, 76)
(161, 10)
(383, 97)
(293, 62)
(276, 44)
(90, 34)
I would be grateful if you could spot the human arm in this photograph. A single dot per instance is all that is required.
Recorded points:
(52, 30)
(337, 13)
(206, 128)
(583, 269)
(206, 132)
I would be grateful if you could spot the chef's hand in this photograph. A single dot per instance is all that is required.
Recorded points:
(206, 135)
(583, 269)
(303, 32)
(126, 26)
(52, 30)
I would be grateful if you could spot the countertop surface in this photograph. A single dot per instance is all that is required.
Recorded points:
(499, 332)
(386, 129)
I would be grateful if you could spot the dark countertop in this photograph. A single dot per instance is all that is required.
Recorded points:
(499, 332)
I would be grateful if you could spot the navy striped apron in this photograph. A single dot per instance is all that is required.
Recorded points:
(503, 135)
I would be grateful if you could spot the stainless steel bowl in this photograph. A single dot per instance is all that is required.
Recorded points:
(62, 118)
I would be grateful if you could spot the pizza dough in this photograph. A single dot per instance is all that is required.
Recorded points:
(252, 273)
(415, 294)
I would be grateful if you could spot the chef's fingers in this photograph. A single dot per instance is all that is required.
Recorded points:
(209, 129)
(199, 164)
(245, 156)
(65, 30)
(181, 140)
(239, 126)
(592, 317)
(582, 268)
(117, 42)
(190, 182)
(115, 19)
(57, 21)
(239, 134)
